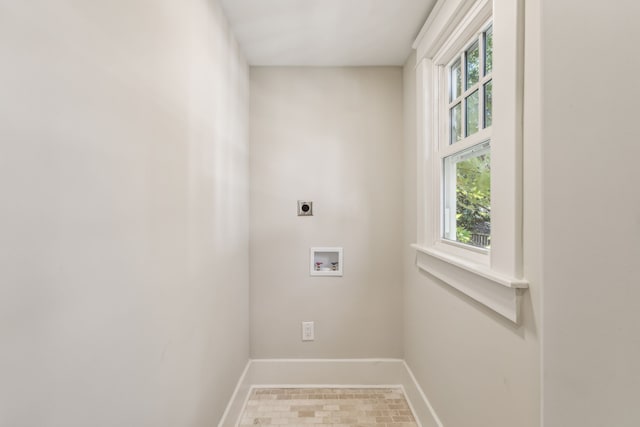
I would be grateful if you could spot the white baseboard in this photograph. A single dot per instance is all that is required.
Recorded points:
(238, 400)
(330, 373)
(414, 393)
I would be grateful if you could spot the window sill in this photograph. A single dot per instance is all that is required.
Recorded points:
(499, 292)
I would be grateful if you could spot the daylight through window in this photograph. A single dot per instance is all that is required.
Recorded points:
(466, 150)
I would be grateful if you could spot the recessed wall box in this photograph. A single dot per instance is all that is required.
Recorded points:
(325, 262)
(305, 208)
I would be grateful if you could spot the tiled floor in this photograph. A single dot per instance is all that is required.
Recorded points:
(337, 407)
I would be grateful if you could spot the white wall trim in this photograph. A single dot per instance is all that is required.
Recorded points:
(445, 14)
(325, 386)
(382, 359)
(423, 396)
(334, 373)
(499, 292)
(238, 399)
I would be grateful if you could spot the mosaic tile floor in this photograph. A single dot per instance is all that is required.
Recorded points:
(337, 407)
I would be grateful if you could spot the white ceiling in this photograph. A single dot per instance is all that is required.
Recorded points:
(326, 32)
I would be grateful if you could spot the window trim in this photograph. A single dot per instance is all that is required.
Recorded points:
(493, 278)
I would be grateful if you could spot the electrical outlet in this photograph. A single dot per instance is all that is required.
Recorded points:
(308, 333)
(305, 208)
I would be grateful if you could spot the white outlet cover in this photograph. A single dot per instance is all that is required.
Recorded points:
(308, 333)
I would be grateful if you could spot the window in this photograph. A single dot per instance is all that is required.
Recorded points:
(466, 151)
(466, 216)
(469, 150)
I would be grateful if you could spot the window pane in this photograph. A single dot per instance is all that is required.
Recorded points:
(488, 51)
(472, 57)
(455, 117)
(467, 196)
(471, 105)
(456, 80)
(487, 103)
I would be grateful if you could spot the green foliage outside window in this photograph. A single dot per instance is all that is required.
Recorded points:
(473, 197)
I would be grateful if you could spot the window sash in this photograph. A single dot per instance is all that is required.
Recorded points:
(447, 147)
(446, 89)
(450, 188)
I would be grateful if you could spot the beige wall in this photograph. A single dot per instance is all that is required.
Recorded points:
(477, 368)
(591, 213)
(333, 136)
(124, 224)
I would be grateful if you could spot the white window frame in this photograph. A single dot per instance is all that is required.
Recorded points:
(444, 148)
(492, 277)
